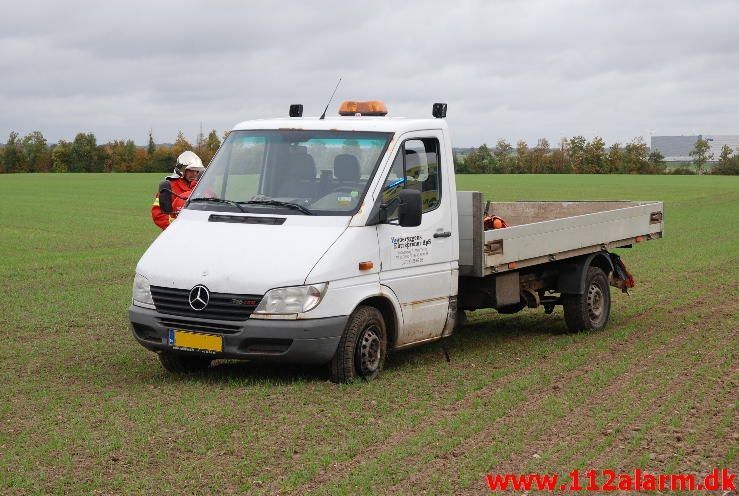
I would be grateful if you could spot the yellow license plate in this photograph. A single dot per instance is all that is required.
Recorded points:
(195, 341)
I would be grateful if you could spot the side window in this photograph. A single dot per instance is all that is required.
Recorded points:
(416, 166)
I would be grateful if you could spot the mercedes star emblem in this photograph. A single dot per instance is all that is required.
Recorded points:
(199, 297)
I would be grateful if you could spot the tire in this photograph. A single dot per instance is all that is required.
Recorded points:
(362, 348)
(183, 364)
(590, 310)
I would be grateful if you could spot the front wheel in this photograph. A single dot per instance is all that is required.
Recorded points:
(590, 310)
(362, 348)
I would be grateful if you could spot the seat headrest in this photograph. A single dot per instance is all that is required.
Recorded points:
(346, 167)
(302, 166)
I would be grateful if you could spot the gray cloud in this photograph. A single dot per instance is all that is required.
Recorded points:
(507, 69)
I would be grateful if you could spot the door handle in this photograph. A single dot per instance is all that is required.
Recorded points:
(444, 234)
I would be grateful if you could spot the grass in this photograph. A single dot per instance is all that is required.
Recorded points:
(86, 410)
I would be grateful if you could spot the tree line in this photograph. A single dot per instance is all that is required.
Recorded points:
(577, 155)
(32, 153)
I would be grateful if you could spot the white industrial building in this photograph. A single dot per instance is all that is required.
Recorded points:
(677, 148)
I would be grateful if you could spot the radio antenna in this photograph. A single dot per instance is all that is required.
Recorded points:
(323, 115)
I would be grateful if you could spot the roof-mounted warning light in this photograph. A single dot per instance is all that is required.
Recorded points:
(439, 110)
(371, 108)
(296, 110)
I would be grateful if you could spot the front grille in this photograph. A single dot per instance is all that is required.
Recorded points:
(197, 326)
(222, 306)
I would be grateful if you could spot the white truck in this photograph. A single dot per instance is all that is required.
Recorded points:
(335, 241)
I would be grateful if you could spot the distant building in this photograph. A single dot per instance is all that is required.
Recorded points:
(717, 141)
(678, 148)
(674, 148)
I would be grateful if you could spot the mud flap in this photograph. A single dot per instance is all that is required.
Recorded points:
(451, 317)
(620, 277)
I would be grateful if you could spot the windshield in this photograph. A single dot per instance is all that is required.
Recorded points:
(291, 171)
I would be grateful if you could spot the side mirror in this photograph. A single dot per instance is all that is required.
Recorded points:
(165, 197)
(409, 210)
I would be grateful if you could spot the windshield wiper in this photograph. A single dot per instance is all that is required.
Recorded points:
(278, 203)
(218, 200)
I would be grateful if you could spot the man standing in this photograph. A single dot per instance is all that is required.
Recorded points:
(187, 171)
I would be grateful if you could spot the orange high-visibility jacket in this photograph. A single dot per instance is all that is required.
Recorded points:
(178, 186)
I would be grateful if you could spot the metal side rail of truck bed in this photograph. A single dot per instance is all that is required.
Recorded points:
(543, 232)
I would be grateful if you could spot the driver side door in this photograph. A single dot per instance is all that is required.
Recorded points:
(417, 261)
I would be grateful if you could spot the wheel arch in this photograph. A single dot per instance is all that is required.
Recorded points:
(389, 314)
(572, 273)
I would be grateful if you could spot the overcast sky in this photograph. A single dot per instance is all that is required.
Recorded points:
(507, 69)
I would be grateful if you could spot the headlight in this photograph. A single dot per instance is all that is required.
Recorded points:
(294, 299)
(142, 292)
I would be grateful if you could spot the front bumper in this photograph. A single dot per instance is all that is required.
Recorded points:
(311, 341)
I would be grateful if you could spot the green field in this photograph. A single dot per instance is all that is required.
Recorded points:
(85, 410)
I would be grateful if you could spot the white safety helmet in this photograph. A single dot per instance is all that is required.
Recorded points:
(188, 161)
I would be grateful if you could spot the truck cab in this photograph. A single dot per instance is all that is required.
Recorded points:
(307, 240)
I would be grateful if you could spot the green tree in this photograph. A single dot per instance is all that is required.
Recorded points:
(199, 142)
(479, 161)
(162, 161)
(558, 162)
(700, 154)
(503, 157)
(728, 162)
(522, 162)
(656, 162)
(593, 156)
(725, 155)
(13, 154)
(636, 157)
(576, 153)
(541, 157)
(61, 157)
(614, 159)
(35, 151)
(210, 147)
(151, 147)
(119, 156)
(458, 161)
(141, 160)
(86, 156)
(181, 144)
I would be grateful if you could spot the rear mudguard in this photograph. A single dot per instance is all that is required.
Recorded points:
(572, 273)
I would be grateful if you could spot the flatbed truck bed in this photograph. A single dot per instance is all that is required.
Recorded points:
(547, 231)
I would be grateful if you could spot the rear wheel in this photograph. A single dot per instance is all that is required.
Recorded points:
(362, 348)
(590, 310)
(183, 364)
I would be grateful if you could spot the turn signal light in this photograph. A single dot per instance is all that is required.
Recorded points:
(363, 108)
(365, 265)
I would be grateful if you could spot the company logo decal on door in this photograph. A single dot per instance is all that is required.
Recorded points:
(410, 250)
